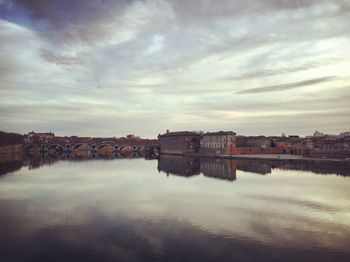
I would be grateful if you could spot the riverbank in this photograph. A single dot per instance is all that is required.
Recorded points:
(268, 157)
(283, 157)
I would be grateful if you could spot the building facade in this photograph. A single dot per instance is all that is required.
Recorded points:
(218, 143)
(39, 137)
(254, 141)
(179, 143)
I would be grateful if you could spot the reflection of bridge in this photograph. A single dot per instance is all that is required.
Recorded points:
(38, 160)
(71, 147)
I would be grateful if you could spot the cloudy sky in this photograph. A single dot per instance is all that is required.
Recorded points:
(108, 67)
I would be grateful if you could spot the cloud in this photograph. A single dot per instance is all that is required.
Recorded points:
(288, 86)
(176, 63)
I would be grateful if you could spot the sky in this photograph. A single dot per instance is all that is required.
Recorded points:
(111, 68)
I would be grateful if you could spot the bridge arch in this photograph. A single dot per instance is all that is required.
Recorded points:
(124, 154)
(105, 155)
(56, 146)
(99, 147)
(31, 149)
(31, 146)
(124, 146)
(76, 146)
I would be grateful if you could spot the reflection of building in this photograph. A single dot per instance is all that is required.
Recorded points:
(219, 168)
(254, 166)
(319, 167)
(190, 166)
(218, 143)
(179, 165)
(179, 142)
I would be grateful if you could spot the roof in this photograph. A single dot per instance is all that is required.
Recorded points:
(180, 133)
(219, 133)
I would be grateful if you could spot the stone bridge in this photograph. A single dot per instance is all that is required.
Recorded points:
(69, 147)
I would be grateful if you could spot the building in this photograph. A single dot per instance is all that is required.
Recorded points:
(318, 134)
(339, 144)
(254, 141)
(179, 143)
(344, 134)
(131, 136)
(218, 143)
(39, 137)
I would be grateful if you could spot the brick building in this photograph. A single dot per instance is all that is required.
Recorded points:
(179, 143)
(39, 137)
(254, 141)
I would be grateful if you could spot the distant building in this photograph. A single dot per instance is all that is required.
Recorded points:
(318, 134)
(254, 141)
(293, 136)
(338, 144)
(218, 143)
(132, 137)
(344, 134)
(39, 137)
(183, 142)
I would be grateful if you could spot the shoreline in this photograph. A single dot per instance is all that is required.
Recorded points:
(283, 157)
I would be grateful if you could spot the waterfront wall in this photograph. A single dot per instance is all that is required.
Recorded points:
(257, 150)
(217, 151)
(9, 149)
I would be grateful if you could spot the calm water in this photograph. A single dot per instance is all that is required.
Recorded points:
(173, 209)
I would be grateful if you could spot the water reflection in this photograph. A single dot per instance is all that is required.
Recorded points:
(188, 166)
(219, 168)
(225, 169)
(10, 163)
(13, 162)
(85, 207)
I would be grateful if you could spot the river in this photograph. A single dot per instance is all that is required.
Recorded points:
(90, 208)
